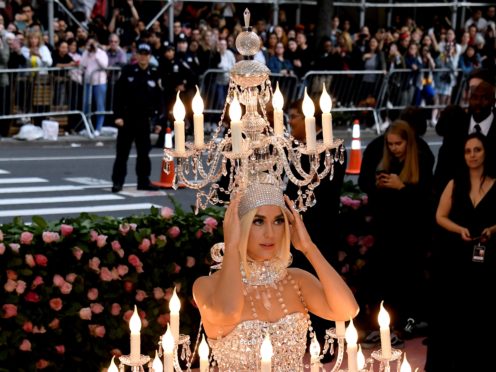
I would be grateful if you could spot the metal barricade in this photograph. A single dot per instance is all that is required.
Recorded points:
(41, 92)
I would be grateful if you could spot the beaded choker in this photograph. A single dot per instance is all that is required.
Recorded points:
(264, 273)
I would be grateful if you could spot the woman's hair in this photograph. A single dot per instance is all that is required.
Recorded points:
(36, 34)
(246, 223)
(410, 171)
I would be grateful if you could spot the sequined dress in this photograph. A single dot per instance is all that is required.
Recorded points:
(240, 349)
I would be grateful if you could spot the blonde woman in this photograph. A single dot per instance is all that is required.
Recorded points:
(36, 52)
(255, 293)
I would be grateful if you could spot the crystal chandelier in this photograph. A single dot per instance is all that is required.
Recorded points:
(251, 146)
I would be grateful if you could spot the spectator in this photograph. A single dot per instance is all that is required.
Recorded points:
(477, 20)
(116, 55)
(4, 84)
(469, 61)
(123, 21)
(227, 61)
(36, 53)
(16, 58)
(278, 64)
(373, 60)
(26, 20)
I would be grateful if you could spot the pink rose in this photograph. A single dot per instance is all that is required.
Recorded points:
(41, 364)
(198, 234)
(115, 309)
(30, 260)
(50, 237)
(41, 260)
(365, 199)
(368, 241)
(166, 212)
(27, 327)
(58, 281)
(124, 228)
(134, 260)
(190, 261)
(128, 286)
(2, 248)
(66, 288)
(21, 287)
(93, 236)
(133, 226)
(174, 232)
(145, 245)
(96, 308)
(60, 349)
(127, 315)
(139, 269)
(32, 297)
(210, 224)
(355, 204)
(9, 311)
(25, 345)
(162, 237)
(144, 322)
(10, 285)
(105, 274)
(11, 274)
(140, 295)
(26, 238)
(158, 293)
(116, 246)
(115, 274)
(177, 268)
(122, 270)
(1, 236)
(168, 294)
(97, 330)
(39, 330)
(77, 252)
(71, 277)
(101, 241)
(54, 324)
(94, 264)
(15, 247)
(56, 304)
(153, 239)
(92, 294)
(66, 230)
(346, 200)
(36, 282)
(351, 240)
(85, 313)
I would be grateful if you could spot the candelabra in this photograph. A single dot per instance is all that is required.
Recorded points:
(251, 145)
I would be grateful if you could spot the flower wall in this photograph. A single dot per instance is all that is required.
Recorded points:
(68, 288)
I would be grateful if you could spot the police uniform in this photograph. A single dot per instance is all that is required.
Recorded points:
(137, 103)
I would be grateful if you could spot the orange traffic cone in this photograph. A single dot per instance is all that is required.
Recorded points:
(167, 171)
(355, 160)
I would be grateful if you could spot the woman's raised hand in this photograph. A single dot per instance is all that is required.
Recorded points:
(299, 234)
(231, 224)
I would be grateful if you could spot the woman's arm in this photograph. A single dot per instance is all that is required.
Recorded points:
(442, 214)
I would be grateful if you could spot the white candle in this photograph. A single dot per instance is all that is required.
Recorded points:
(340, 328)
(405, 366)
(384, 330)
(314, 355)
(326, 106)
(278, 104)
(198, 118)
(179, 112)
(112, 367)
(157, 365)
(310, 133)
(168, 346)
(203, 352)
(351, 347)
(360, 358)
(135, 327)
(266, 354)
(174, 307)
(236, 125)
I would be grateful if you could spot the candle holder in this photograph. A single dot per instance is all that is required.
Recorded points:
(136, 366)
(384, 363)
(182, 351)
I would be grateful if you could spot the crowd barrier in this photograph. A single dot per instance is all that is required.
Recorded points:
(60, 92)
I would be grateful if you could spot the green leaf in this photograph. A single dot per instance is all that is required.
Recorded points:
(40, 222)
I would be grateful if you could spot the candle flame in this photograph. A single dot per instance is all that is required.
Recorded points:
(135, 322)
(174, 303)
(197, 102)
(203, 349)
(168, 341)
(235, 109)
(179, 111)
(384, 319)
(266, 351)
(112, 367)
(308, 106)
(314, 347)
(157, 363)
(360, 358)
(325, 100)
(277, 99)
(405, 366)
(351, 334)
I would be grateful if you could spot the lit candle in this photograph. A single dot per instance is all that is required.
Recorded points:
(174, 307)
(179, 112)
(266, 354)
(135, 327)
(405, 366)
(235, 115)
(309, 111)
(360, 358)
(385, 334)
(326, 106)
(351, 347)
(198, 118)
(314, 355)
(112, 367)
(340, 328)
(278, 104)
(157, 365)
(203, 352)
(168, 346)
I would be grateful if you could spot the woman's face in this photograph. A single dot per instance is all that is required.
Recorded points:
(396, 145)
(266, 233)
(474, 153)
(373, 44)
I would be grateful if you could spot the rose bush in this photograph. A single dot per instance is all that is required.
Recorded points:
(68, 287)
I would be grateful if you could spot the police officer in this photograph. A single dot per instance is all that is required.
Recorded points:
(137, 105)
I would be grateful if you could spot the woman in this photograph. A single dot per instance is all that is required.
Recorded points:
(254, 292)
(465, 274)
(36, 52)
(400, 205)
